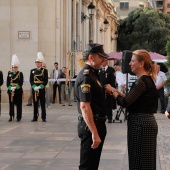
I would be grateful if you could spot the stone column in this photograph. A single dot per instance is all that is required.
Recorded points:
(78, 25)
(74, 22)
(58, 29)
(68, 24)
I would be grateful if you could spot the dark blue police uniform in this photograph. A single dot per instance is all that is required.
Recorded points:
(89, 89)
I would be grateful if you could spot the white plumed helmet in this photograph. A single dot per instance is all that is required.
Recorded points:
(15, 61)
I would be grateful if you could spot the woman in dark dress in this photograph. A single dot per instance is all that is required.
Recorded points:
(141, 103)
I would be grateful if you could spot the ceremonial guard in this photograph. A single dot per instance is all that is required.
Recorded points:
(38, 81)
(107, 76)
(1, 82)
(15, 91)
(1, 78)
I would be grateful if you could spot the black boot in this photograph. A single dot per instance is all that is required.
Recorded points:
(10, 119)
(34, 120)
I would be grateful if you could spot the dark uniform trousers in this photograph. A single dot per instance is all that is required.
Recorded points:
(161, 97)
(89, 157)
(36, 97)
(17, 100)
(55, 86)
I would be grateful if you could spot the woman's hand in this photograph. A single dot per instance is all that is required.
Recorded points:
(167, 114)
(109, 88)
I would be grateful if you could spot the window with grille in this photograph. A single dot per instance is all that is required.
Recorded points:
(124, 5)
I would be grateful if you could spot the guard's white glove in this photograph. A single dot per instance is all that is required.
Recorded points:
(36, 88)
(13, 88)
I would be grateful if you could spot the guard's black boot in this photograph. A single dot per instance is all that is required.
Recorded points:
(34, 120)
(10, 119)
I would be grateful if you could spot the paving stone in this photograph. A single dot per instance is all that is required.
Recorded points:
(54, 145)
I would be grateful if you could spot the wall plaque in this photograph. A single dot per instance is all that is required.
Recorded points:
(23, 34)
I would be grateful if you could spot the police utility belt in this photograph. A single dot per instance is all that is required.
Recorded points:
(96, 118)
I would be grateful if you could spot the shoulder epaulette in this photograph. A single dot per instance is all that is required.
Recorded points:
(86, 71)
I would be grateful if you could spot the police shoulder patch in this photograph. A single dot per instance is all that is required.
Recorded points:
(86, 71)
(85, 88)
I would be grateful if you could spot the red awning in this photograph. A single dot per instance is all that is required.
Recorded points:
(115, 55)
(154, 56)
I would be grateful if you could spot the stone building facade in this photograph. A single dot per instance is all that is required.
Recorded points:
(53, 27)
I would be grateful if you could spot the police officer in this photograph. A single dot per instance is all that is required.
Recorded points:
(90, 100)
(107, 76)
(1, 82)
(38, 81)
(15, 91)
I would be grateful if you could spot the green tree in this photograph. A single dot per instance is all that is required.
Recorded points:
(144, 28)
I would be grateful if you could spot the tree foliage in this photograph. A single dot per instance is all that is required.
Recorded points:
(144, 28)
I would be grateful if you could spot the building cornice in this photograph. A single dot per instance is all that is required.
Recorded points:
(85, 2)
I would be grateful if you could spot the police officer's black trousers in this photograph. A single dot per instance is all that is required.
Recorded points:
(41, 97)
(90, 158)
(17, 100)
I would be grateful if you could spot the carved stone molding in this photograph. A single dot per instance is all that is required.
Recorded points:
(86, 2)
(98, 14)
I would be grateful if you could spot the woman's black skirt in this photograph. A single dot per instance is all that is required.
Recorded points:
(142, 139)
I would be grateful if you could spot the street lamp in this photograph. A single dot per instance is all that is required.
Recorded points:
(106, 23)
(91, 8)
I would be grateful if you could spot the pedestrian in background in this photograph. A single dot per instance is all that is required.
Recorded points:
(30, 98)
(91, 107)
(14, 84)
(141, 103)
(62, 85)
(160, 82)
(107, 76)
(120, 77)
(56, 74)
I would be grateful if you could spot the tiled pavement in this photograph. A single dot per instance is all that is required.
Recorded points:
(54, 145)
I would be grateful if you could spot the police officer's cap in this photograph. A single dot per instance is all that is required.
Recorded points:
(95, 49)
